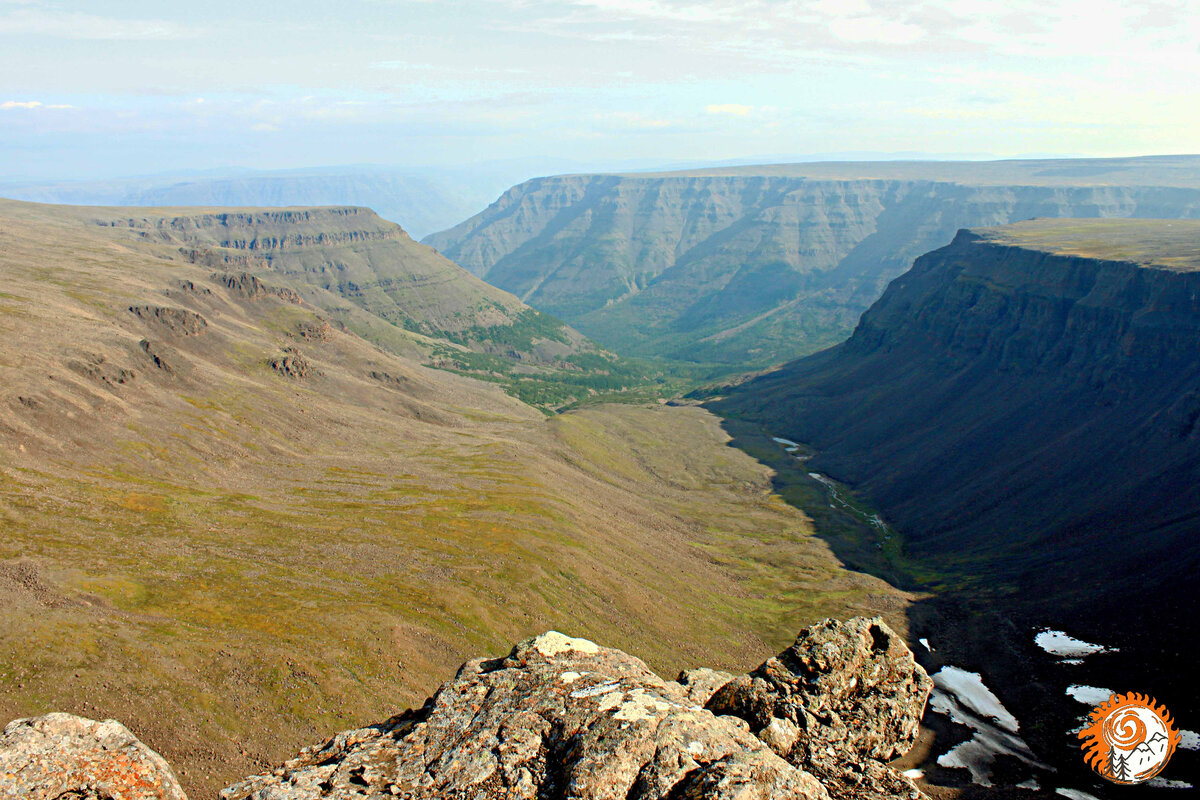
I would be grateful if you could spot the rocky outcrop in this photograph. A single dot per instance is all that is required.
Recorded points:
(291, 365)
(61, 757)
(178, 321)
(841, 699)
(563, 717)
(757, 265)
(243, 284)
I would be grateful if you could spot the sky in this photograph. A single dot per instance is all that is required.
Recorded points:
(101, 89)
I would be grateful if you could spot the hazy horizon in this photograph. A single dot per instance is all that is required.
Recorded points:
(129, 88)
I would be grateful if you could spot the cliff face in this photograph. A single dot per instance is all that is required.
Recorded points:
(353, 254)
(756, 268)
(1033, 410)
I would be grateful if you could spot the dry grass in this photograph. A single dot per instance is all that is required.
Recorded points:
(1170, 244)
(236, 563)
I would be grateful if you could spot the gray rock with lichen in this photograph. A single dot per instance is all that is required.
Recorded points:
(557, 717)
(561, 717)
(65, 756)
(564, 718)
(844, 697)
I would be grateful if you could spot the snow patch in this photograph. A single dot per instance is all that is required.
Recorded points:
(1089, 695)
(1058, 643)
(968, 689)
(1075, 794)
(1163, 783)
(963, 697)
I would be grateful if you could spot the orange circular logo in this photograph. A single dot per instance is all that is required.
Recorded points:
(1129, 738)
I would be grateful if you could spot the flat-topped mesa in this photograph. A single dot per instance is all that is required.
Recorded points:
(1165, 244)
(265, 230)
(564, 717)
(348, 260)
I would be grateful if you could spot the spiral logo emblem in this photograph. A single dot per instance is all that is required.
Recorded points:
(1124, 729)
(1129, 738)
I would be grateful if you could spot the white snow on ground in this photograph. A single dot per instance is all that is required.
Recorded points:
(784, 442)
(963, 697)
(915, 774)
(1163, 783)
(1089, 695)
(968, 689)
(1057, 643)
(926, 643)
(1075, 794)
(1189, 740)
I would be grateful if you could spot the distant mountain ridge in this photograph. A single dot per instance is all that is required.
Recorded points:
(420, 202)
(750, 266)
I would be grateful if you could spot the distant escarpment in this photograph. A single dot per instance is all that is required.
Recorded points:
(423, 203)
(564, 717)
(1024, 405)
(353, 254)
(758, 265)
(372, 278)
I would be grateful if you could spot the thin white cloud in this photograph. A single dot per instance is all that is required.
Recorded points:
(29, 105)
(75, 25)
(733, 109)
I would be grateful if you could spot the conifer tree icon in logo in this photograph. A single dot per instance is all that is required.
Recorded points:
(1129, 738)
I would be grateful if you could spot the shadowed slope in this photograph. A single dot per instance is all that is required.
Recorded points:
(1027, 415)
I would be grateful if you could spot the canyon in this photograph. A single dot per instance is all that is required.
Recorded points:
(752, 266)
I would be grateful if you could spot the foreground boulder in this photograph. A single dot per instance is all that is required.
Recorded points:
(562, 717)
(557, 717)
(843, 698)
(64, 756)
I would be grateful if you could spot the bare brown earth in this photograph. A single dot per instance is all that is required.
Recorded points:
(238, 529)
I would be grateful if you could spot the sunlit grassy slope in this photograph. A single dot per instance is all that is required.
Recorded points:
(238, 529)
(1172, 244)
